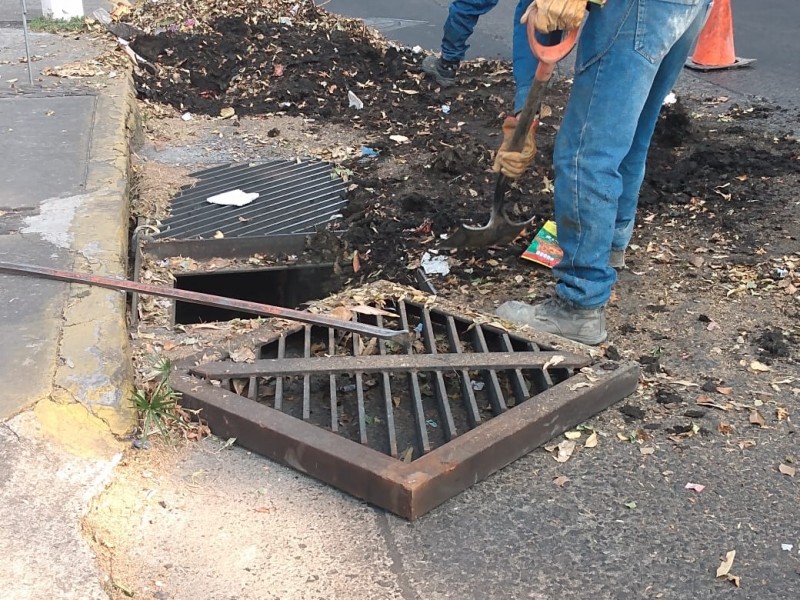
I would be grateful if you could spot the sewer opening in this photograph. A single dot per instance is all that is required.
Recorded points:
(356, 406)
(285, 286)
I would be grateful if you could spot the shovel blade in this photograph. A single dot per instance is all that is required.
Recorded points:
(497, 232)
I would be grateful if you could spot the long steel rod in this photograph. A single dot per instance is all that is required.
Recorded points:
(265, 310)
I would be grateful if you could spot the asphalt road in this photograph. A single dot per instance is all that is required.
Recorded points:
(764, 30)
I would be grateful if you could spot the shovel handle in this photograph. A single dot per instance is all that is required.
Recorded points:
(549, 55)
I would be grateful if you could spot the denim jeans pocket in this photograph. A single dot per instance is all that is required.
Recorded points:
(660, 24)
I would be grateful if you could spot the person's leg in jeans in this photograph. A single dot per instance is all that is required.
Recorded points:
(619, 54)
(460, 23)
(633, 166)
(461, 20)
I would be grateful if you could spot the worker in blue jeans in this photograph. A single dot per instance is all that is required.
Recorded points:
(629, 56)
(461, 20)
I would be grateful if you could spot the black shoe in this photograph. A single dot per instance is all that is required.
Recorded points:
(443, 70)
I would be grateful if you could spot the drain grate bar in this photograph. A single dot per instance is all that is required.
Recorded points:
(467, 392)
(461, 401)
(440, 390)
(416, 394)
(333, 400)
(416, 363)
(306, 376)
(279, 379)
(495, 391)
(362, 415)
(386, 391)
(521, 392)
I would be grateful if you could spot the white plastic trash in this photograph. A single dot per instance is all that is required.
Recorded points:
(233, 198)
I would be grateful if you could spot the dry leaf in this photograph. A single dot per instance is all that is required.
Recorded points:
(725, 428)
(759, 367)
(787, 470)
(356, 262)
(725, 391)
(545, 111)
(227, 112)
(573, 435)
(695, 487)
(579, 385)
(706, 401)
(591, 442)
(407, 454)
(245, 354)
(565, 450)
(756, 418)
(735, 579)
(561, 480)
(726, 565)
(342, 313)
(364, 309)
(553, 362)
(780, 413)
(410, 92)
(747, 444)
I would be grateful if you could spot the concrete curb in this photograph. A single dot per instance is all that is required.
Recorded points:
(94, 373)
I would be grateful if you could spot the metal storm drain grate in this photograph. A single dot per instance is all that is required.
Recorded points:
(404, 428)
(293, 198)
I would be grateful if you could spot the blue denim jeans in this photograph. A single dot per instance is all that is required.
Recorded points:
(460, 24)
(629, 57)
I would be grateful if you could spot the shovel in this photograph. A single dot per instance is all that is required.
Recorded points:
(501, 229)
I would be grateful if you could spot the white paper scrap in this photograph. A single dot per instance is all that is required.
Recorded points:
(434, 265)
(355, 101)
(233, 198)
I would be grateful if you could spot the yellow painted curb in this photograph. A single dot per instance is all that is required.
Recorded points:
(76, 430)
(95, 367)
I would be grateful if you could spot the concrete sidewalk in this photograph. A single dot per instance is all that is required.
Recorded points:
(64, 358)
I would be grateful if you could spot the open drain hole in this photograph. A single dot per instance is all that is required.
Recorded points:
(285, 286)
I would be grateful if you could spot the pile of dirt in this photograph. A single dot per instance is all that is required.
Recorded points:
(426, 165)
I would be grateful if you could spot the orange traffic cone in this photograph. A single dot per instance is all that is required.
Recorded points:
(714, 49)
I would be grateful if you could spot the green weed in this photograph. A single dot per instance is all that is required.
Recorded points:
(50, 25)
(156, 402)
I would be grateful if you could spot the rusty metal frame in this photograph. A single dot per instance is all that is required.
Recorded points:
(408, 489)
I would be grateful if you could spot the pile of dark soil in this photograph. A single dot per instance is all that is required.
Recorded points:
(433, 169)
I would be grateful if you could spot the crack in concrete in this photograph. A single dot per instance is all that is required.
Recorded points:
(406, 588)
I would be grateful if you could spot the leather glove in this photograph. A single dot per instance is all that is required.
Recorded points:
(556, 15)
(513, 164)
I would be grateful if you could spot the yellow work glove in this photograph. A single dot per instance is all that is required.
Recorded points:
(513, 164)
(556, 15)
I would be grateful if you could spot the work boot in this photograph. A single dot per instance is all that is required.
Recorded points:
(443, 70)
(617, 259)
(554, 315)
